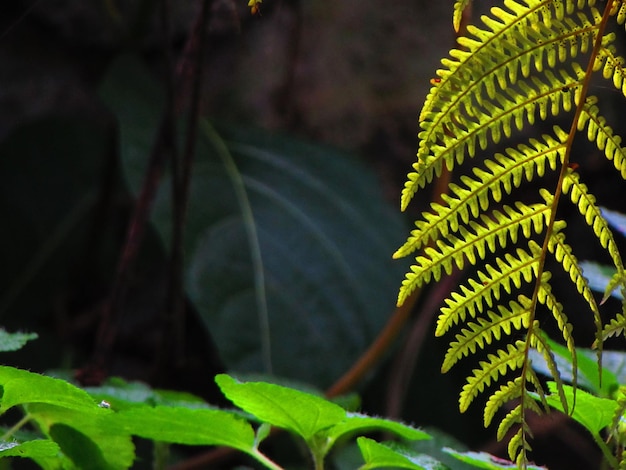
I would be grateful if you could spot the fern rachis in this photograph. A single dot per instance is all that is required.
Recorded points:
(533, 60)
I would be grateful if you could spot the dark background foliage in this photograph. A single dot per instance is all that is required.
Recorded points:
(84, 92)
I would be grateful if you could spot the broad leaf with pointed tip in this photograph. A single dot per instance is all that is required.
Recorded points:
(293, 410)
(186, 426)
(288, 244)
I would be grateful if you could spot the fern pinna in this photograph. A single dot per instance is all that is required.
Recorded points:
(532, 60)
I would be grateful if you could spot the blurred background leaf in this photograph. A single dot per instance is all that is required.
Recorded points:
(324, 231)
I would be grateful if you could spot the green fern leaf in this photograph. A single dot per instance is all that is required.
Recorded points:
(612, 67)
(547, 298)
(507, 392)
(459, 7)
(617, 280)
(491, 281)
(600, 133)
(563, 254)
(504, 173)
(617, 326)
(519, 446)
(490, 370)
(517, 68)
(450, 117)
(487, 236)
(536, 96)
(510, 391)
(476, 335)
(541, 345)
(586, 204)
(512, 417)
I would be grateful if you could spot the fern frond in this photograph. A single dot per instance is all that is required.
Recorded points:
(612, 67)
(507, 392)
(490, 370)
(514, 107)
(491, 59)
(616, 326)
(516, 69)
(620, 12)
(617, 280)
(512, 417)
(459, 7)
(519, 446)
(563, 254)
(547, 298)
(491, 281)
(484, 331)
(600, 133)
(541, 345)
(487, 236)
(588, 208)
(505, 172)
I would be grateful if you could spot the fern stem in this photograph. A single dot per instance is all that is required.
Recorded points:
(554, 205)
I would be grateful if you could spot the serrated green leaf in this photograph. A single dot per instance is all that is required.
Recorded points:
(14, 341)
(22, 387)
(37, 448)
(485, 461)
(286, 408)
(113, 446)
(588, 372)
(385, 455)
(187, 426)
(592, 412)
(359, 423)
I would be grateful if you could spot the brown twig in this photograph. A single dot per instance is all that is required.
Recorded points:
(190, 71)
(164, 147)
(111, 311)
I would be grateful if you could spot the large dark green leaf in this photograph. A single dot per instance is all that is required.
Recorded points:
(288, 244)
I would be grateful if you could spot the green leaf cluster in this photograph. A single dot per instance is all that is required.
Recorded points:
(94, 428)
